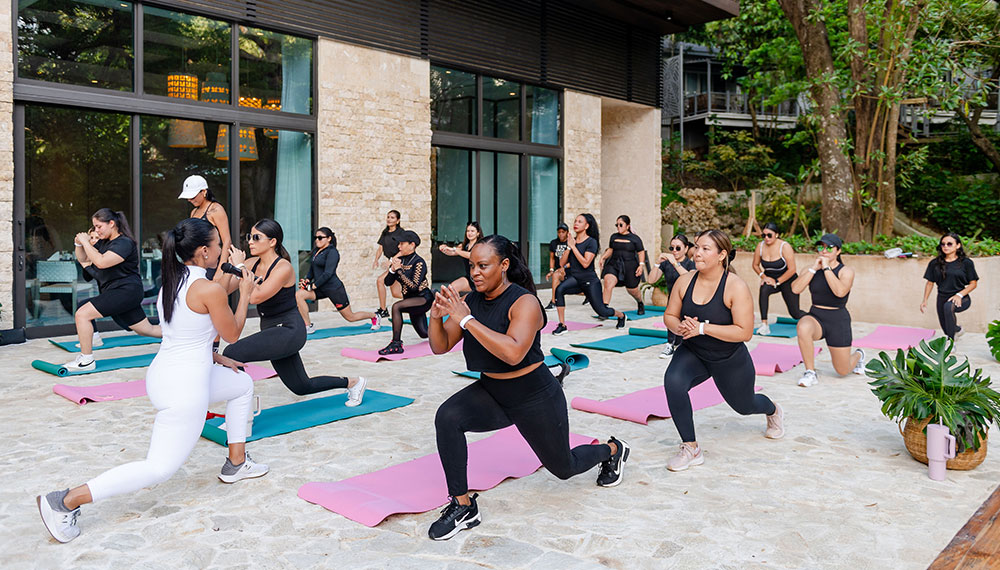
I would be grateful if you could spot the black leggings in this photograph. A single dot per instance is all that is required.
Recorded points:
(590, 289)
(946, 313)
(540, 417)
(734, 377)
(279, 340)
(791, 299)
(417, 308)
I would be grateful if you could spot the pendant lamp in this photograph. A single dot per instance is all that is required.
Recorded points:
(182, 133)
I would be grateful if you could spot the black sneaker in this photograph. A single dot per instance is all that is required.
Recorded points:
(641, 310)
(621, 322)
(454, 519)
(382, 313)
(613, 469)
(550, 306)
(585, 301)
(560, 330)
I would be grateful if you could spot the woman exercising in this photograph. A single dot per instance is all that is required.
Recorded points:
(829, 282)
(322, 282)
(183, 379)
(409, 270)
(712, 310)
(622, 262)
(776, 274)
(672, 265)
(282, 330)
(500, 325)
(580, 276)
(114, 262)
(955, 276)
(207, 208)
(473, 233)
(387, 246)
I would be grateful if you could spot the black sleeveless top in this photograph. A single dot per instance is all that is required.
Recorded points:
(821, 292)
(281, 302)
(715, 312)
(494, 313)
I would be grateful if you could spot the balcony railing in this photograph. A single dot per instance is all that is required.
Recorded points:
(736, 103)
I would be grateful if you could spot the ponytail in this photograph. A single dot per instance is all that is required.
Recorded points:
(118, 217)
(179, 246)
(517, 270)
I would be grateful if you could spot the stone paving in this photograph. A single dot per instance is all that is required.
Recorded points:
(839, 491)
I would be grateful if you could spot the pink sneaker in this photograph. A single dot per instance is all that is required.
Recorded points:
(775, 424)
(686, 457)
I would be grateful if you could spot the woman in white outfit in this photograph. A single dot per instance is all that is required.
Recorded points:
(184, 378)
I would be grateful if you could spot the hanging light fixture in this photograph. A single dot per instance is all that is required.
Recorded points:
(248, 135)
(182, 133)
(215, 88)
(273, 104)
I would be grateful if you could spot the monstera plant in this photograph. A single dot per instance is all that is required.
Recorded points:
(993, 338)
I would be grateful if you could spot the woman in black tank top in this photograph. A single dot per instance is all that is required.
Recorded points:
(500, 322)
(829, 282)
(712, 310)
(282, 330)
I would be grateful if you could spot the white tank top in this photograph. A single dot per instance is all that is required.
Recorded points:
(189, 335)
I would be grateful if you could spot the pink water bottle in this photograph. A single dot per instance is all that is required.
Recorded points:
(940, 448)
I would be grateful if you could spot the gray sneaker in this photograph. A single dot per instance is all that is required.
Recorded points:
(246, 470)
(61, 523)
(668, 351)
(356, 393)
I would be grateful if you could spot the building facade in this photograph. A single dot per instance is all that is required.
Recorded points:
(518, 114)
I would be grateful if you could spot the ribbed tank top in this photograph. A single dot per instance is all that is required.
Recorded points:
(281, 302)
(714, 312)
(188, 335)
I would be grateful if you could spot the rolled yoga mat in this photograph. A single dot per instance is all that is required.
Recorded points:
(103, 365)
(419, 486)
(635, 339)
(109, 342)
(134, 389)
(783, 328)
(890, 338)
(639, 406)
(575, 360)
(306, 414)
(345, 331)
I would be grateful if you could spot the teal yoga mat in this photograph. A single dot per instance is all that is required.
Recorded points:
(651, 311)
(306, 414)
(345, 331)
(634, 340)
(784, 328)
(103, 365)
(109, 342)
(575, 360)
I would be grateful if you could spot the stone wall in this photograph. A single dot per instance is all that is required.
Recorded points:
(582, 155)
(6, 168)
(374, 137)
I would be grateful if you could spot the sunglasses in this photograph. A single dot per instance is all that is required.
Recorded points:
(948, 244)
(321, 237)
(676, 247)
(619, 225)
(257, 237)
(822, 248)
(769, 235)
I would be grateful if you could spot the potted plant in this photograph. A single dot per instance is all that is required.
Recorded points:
(660, 293)
(928, 384)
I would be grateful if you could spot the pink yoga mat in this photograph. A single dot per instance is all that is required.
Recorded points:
(409, 351)
(889, 338)
(418, 486)
(639, 406)
(134, 389)
(769, 358)
(570, 325)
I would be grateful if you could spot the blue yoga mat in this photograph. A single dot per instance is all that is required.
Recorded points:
(345, 331)
(781, 329)
(634, 340)
(103, 365)
(575, 360)
(109, 342)
(306, 414)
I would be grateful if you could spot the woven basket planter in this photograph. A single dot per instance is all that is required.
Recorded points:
(916, 443)
(659, 298)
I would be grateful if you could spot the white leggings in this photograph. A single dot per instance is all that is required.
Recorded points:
(181, 396)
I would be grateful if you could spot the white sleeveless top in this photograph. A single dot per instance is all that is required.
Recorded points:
(188, 336)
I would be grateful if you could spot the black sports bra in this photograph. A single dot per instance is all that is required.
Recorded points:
(281, 302)
(822, 294)
(715, 312)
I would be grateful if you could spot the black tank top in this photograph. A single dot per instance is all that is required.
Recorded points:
(822, 294)
(774, 268)
(715, 312)
(495, 314)
(281, 302)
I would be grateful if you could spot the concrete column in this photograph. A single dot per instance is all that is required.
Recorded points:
(582, 155)
(6, 168)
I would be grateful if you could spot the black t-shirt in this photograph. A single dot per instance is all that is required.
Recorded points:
(575, 268)
(121, 274)
(957, 274)
(625, 247)
(558, 248)
(387, 240)
(670, 274)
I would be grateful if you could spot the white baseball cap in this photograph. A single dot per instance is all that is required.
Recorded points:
(192, 185)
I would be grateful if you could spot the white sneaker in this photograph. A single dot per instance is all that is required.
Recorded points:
(356, 393)
(61, 525)
(667, 351)
(97, 341)
(247, 470)
(775, 424)
(808, 378)
(310, 328)
(81, 362)
(764, 329)
(687, 457)
(859, 368)
(376, 322)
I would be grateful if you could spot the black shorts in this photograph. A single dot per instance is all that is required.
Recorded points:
(624, 271)
(123, 304)
(336, 295)
(835, 325)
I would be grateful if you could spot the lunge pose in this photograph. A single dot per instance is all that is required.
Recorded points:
(622, 262)
(500, 325)
(113, 260)
(387, 246)
(206, 207)
(580, 274)
(557, 248)
(955, 276)
(183, 379)
(672, 265)
(322, 282)
(712, 309)
(473, 233)
(829, 282)
(410, 271)
(776, 274)
(282, 331)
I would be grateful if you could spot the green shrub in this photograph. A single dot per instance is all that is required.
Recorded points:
(920, 245)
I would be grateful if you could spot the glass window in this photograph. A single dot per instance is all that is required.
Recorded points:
(278, 184)
(84, 42)
(543, 213)
(498, 207)
(275, 71)
(75, 162)
(452, 184)
(453, 101)
(543, 115)
(186, 56)
(501, 108)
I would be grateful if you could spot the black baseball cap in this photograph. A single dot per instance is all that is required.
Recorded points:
(410, 236)
(831, 240)
(562, 226)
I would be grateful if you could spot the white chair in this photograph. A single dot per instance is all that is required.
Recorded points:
(56, 277)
